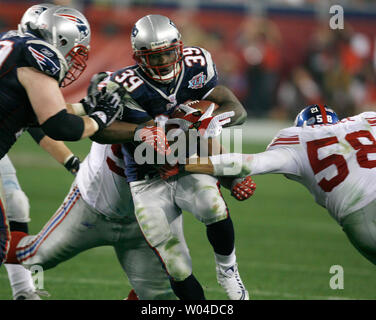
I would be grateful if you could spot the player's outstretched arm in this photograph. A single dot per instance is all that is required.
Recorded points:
(281, 160)
(203, 165)
(230, 164)
(227, 101)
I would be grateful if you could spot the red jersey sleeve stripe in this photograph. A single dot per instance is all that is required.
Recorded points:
(283, 143)
(288, 139)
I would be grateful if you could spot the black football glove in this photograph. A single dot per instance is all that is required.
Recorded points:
(107, 108)
(89, 102)
(72, 164)
(93, 94)
(95, 80)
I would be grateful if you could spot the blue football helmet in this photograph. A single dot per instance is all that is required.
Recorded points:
(315, 114)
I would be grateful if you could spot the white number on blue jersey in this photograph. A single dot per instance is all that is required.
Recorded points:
(6, 48)
(129, 80)
(192, 56)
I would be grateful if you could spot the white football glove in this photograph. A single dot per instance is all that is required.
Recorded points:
(209, 126)
(191, 116)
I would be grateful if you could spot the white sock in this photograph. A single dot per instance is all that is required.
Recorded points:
(20, 278)
(225, 261)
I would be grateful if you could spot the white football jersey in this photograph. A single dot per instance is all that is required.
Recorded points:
(337, 163)
(102, 183)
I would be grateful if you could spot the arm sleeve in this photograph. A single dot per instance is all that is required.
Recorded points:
(36, 133)
(64, 126)
(273, 161)
(279, 160)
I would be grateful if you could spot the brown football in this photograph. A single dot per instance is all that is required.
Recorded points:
(201, 105)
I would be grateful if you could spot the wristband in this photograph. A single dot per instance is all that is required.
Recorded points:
(72, 164)
(68, 158)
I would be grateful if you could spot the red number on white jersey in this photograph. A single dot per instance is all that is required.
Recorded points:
(116, 150)
(355, 140)
(363, 149)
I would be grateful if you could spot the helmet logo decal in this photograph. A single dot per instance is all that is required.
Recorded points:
(134, 31)
(82, 27)
(197, 81)
(39, 9)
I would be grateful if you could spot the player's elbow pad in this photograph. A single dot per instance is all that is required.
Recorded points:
(64, 126)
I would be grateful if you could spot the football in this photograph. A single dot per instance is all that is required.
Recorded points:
(201, 105)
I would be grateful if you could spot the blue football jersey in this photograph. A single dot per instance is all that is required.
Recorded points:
(195, 81)
(16, 112)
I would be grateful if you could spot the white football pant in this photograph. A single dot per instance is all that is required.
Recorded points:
(159, 203)
(76, 227)
(18, 208)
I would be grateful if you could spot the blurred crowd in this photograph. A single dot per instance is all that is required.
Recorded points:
(336, 67)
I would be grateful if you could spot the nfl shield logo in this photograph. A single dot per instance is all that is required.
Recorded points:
(197, 81)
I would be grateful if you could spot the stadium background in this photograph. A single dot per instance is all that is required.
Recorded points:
(277, 56)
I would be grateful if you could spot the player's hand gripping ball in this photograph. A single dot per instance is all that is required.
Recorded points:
(188, 113)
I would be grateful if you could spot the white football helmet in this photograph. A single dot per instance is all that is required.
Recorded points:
(31, 15)
(153, 37)
(67, 30)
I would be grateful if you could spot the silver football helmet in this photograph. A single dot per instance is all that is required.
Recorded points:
(31, 15)
(157, 47)
(67, 30)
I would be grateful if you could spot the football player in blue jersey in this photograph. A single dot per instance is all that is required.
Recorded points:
(18, 213)
(33, 64)
(166, 75)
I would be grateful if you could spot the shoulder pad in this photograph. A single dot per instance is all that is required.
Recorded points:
(368, 114)
(9, 34)
(285, 137)
(46, 58)
(211, 68)
(200, 60)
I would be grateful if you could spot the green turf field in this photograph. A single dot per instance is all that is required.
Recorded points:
(285, 243)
